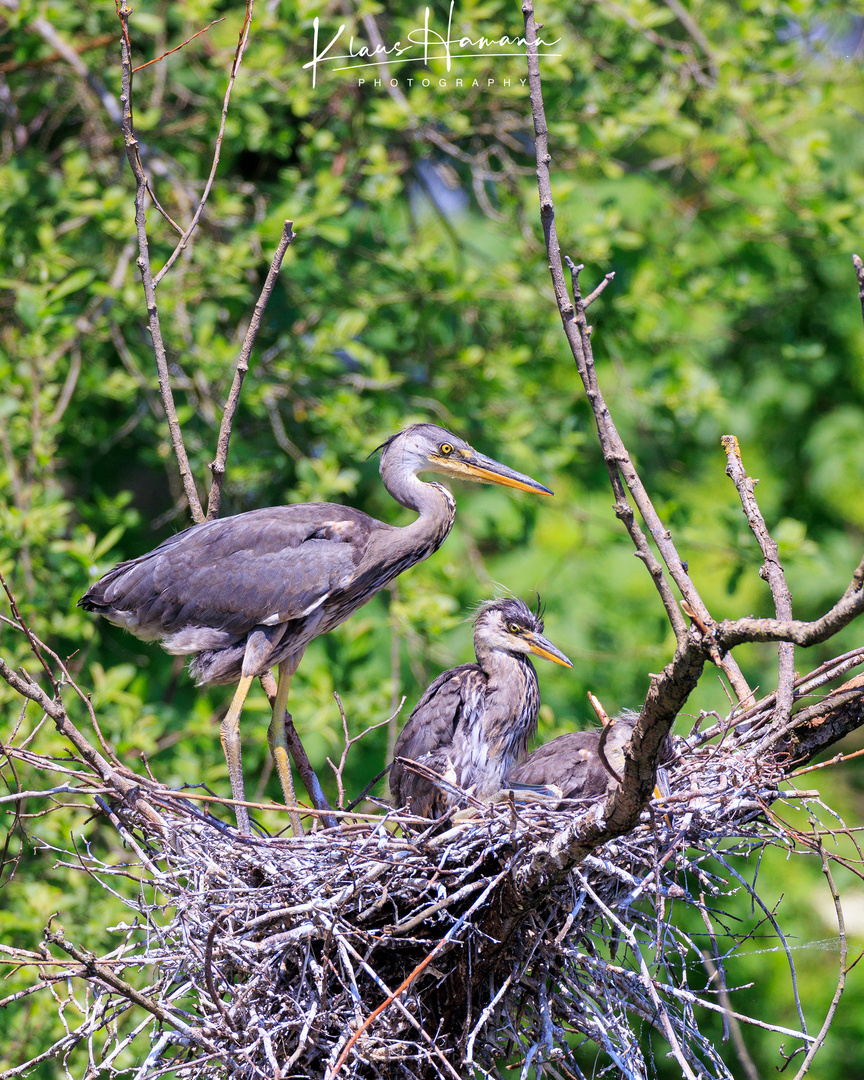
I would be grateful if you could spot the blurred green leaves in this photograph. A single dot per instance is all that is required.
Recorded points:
(719, 178)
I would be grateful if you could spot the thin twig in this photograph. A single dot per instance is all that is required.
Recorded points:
(177, 48)
(143, 262)
(347, 744)
(217, 466)
(217, 152)
(841, 978)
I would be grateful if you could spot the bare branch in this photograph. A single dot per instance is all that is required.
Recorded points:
(599, 290)
(578, 336)
(348, 743)
(217, 466)
(732, 632)
(105, 975)
(143, 261)
(30, 690)
(814, 730)
(841, 978)
(177, 48)
(623, 509)
(199, 210)
(771, 571)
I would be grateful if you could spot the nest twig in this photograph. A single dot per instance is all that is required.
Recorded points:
(392, 947)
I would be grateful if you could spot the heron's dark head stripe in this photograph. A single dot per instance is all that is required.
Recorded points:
(512, 609)
(432, 431)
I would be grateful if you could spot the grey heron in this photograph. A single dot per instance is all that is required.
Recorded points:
(572, 762)
(243, 594)
(473, 723)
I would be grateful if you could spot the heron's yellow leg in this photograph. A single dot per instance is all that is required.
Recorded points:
(279, 745)
(229, 733)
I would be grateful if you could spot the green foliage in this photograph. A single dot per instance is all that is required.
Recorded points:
(720, 180)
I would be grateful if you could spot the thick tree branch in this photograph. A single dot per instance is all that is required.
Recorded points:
(815, 729)
(732, 632)
(620, 811)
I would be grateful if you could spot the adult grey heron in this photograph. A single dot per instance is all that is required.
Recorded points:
(242, 594)
(572, 762)
(474, 722)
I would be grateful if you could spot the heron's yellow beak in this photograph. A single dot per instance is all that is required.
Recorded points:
(469, 465)
(542, 646)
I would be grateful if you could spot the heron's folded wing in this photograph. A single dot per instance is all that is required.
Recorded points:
(433, 722)
(265, 566)
(570, 762)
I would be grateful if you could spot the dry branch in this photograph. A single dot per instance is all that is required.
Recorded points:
(217, 466)
(771, 571)
(142, 189)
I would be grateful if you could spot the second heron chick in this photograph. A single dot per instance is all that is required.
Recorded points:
(474, 722)
(573, 762)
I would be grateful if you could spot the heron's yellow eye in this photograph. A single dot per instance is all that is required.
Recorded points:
(446, 449)
(514, 628)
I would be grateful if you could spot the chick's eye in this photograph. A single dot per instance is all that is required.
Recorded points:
(446, 449)
(513, 628)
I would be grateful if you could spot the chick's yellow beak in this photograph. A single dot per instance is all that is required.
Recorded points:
(542, 646)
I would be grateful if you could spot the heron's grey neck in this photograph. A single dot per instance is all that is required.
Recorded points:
(508, 721)
(433, 502)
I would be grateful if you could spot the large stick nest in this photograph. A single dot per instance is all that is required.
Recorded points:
(389, 947)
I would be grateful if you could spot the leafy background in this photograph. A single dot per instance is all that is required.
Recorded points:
(710, 156)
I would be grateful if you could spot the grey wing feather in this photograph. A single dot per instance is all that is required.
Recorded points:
(563, 761)
(265, 566)
(432, 725)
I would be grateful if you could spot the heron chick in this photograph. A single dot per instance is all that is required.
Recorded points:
(473, 723)
(572, 762)
(242, 594)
